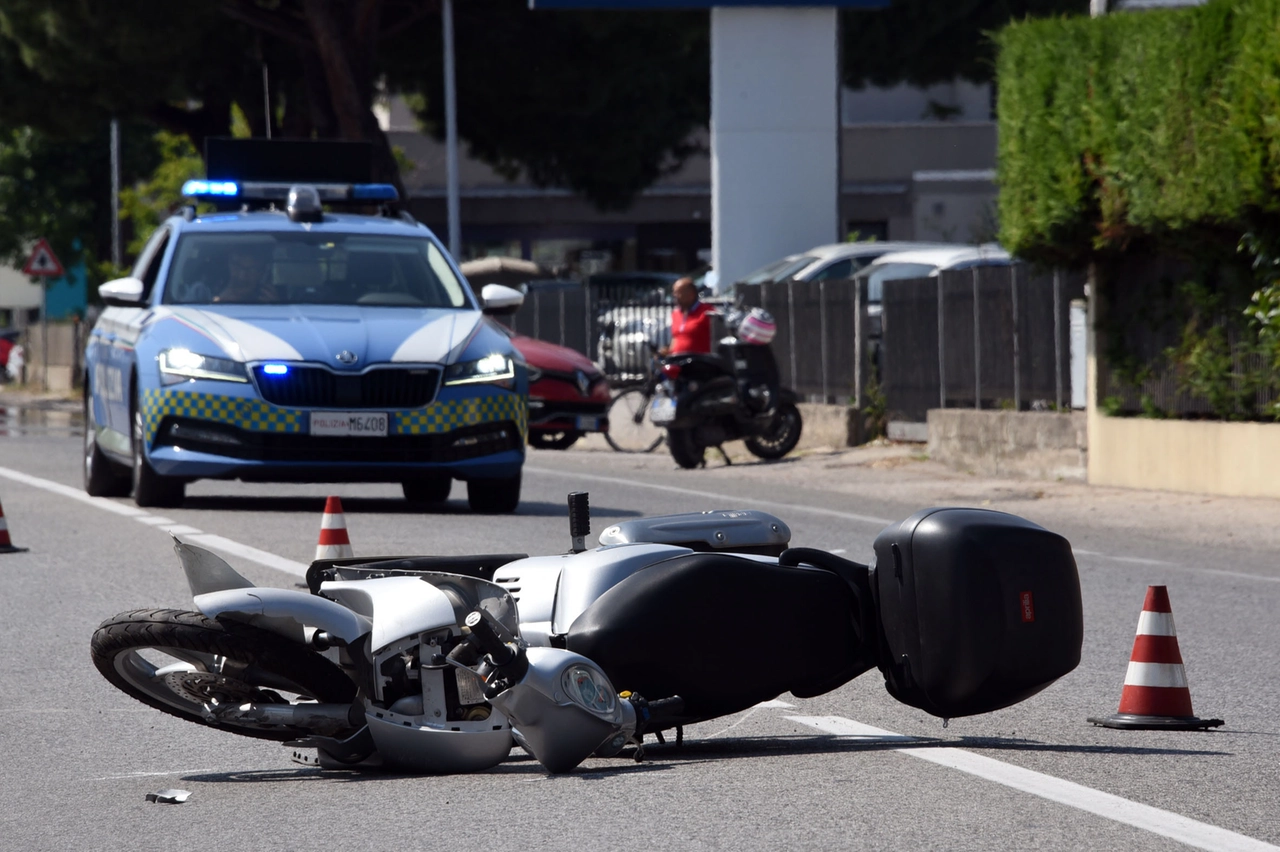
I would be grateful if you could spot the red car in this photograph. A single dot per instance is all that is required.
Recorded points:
(568, 395)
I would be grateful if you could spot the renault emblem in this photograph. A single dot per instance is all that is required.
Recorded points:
(346, 356)
(584, 383)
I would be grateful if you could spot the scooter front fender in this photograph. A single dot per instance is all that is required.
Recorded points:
(291, 614)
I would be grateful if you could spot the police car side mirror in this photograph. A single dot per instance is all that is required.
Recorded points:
(122, 293)
(501, 301)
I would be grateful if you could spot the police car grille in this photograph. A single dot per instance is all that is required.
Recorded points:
(316, 387)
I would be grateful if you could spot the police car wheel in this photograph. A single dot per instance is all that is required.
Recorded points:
(494, 496)
(149, 487)
(102, 477)
(553, 440)
(433, 489)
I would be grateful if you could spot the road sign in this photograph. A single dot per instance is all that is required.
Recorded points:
(43, 261)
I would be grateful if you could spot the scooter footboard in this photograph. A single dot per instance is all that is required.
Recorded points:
(723, 632)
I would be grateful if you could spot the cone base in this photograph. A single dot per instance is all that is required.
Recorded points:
(1129, 721)
(9, 548)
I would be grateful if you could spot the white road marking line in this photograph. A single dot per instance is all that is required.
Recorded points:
(253, 554)
(196, 536)
(74, 493)
(1136, 560)
(176, 772)
(1164, 823)
(774, 704)
(841, 550)
(729, 501)
(179, 529)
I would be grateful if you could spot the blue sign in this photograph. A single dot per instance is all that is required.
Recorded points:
(668, 5)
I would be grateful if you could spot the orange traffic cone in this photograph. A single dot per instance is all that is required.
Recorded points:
(6, 546)
(333, 543)
(1156, 695)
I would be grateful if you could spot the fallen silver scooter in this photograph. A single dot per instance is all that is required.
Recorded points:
(439, 664)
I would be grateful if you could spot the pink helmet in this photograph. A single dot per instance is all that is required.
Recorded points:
(757, 327)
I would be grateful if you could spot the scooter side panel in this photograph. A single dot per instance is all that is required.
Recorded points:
(397, 606)
(588, 575)
(284, 611)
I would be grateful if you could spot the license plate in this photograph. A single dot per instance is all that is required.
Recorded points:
(663, 410)
(587, 424)
(353, 424)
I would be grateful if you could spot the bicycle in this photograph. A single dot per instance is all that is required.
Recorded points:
(630, 429)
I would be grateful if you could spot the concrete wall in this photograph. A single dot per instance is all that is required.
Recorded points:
(1043, 445)
(1202, 457)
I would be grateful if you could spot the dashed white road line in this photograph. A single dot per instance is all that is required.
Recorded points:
(1164, 823)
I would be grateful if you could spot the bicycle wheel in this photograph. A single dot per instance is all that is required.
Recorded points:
(630, 429)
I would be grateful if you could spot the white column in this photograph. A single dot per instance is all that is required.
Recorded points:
(775, 134)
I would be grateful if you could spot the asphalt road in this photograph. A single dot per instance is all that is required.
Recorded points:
(849, 770)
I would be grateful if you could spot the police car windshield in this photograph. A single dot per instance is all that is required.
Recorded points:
(311, 268)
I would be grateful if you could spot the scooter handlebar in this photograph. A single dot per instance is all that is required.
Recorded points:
(489, 635)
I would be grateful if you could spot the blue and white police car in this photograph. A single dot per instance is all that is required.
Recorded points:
(292, 344)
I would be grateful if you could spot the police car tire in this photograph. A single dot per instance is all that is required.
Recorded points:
(430, 490)
(494, 496)
(117, 640)
(149, 487)
(553, 440)
(102, 476)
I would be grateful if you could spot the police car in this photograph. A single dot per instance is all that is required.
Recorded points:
(287, 343)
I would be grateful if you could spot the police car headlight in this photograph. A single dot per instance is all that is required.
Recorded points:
(181, 365)
(494, 369)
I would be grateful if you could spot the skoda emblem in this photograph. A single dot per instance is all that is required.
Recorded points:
(346, 356)
(584, 383)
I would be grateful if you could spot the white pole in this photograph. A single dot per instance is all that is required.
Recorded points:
(1097, 8)
(451, 133)
(116, 251)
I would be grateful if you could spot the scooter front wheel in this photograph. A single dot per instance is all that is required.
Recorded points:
(189, 666)
(685, 449)
(782, 436)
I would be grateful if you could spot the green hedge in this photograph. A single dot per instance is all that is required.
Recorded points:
(1160, 126)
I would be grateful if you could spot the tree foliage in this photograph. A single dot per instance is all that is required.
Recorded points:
(923, 42)
(602, 103)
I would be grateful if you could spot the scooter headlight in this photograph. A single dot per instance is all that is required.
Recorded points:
(590, 689)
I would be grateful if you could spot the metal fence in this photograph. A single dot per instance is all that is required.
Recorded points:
(989, 337)
(993, 337)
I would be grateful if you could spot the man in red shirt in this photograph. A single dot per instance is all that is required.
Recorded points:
(690, 321)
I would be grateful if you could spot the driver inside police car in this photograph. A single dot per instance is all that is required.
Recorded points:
(246, 278)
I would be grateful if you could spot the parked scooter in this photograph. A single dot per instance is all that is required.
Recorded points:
(421, 664)
(706, 400)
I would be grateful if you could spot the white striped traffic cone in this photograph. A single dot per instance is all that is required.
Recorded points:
(6, 546)
(333, 543)
(1156, 695)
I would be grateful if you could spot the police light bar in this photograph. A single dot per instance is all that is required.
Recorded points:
(330, 193)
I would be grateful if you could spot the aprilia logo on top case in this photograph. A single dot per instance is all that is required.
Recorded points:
(1028, 607)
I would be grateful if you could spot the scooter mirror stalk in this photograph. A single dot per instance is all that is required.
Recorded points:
(579, 521)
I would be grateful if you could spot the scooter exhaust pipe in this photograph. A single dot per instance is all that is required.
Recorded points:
(321, 719)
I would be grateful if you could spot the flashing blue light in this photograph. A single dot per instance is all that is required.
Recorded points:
(374, 192)
(275, 369)
(210, 187)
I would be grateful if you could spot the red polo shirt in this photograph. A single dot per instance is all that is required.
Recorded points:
(691, 333)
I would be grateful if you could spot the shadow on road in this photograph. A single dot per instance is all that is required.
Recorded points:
(384, 506)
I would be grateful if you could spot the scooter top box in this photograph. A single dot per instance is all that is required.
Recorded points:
(978, 609)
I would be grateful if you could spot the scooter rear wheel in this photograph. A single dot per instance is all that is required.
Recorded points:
(182, 663)
(782, 437)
